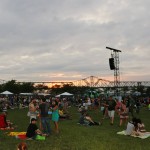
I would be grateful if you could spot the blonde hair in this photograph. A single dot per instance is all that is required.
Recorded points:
(22, 146)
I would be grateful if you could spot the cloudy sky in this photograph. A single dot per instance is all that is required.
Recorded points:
(57, 40)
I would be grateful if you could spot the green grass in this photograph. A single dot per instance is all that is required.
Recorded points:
(77, 137)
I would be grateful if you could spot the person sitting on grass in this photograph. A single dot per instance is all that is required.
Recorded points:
(4, 123)
(130, 126)
(135, 127)
(85, 119)
(139, 128)
(63, 115)
(32, 130)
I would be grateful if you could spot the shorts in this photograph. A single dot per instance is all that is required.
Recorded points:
(111, 113)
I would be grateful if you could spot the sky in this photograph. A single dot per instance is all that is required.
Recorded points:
(66, 40)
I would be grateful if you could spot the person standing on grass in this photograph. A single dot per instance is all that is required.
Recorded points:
(96, 103)
(45, 120)
(32, 110)
(65, 105)
(105, 110)
(130, 105)
(123, 113)
(138, 105)
(89, 103)
(55, 115)
(111, 109)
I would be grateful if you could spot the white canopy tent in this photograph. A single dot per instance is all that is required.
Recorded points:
(26, 94)
(6, 93)
(57, 95)
(64, 94)
(44, 94)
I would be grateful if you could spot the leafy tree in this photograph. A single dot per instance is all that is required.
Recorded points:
(140, 89)
(16, 87)
(27, 87)
(11, 86)
(148, 91)
(41, 87)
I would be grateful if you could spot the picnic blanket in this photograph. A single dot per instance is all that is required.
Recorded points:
(22, 136)
(18, 135)
(143, 136)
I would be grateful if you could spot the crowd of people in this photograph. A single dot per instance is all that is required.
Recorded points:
(109, 106)
(43, 110)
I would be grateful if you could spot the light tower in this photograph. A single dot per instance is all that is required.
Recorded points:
(114, 65)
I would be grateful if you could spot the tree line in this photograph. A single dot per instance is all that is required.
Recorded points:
(28, 87)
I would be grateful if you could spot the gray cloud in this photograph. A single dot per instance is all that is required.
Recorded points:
(66, 40)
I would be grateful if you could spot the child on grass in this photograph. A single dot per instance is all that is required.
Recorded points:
(32, 130)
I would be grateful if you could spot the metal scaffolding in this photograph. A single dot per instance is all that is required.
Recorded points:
(115, 55)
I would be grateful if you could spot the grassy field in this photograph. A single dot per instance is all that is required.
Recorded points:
(77, 137)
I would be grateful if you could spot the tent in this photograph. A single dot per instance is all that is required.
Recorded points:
(64, 94)
(6, 93)
(57, 95)
(136, 93)
(44, 94)
(26, 94)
